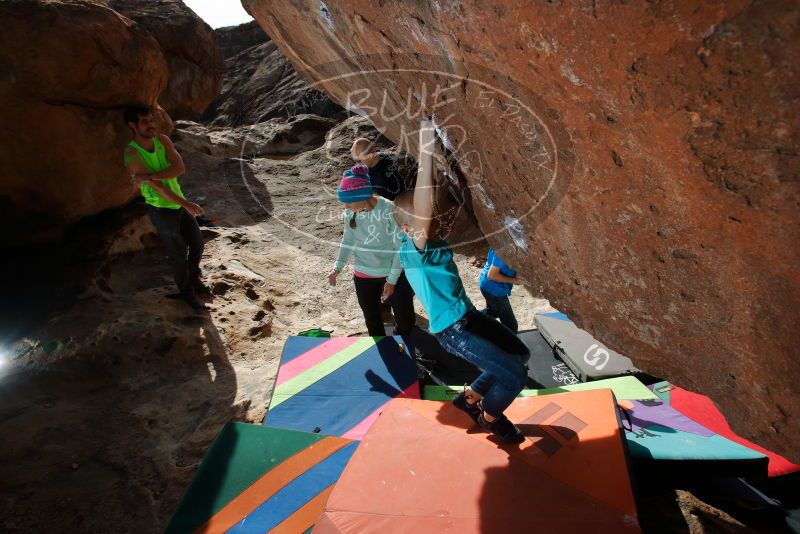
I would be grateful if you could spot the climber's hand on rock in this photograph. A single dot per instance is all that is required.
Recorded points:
(427, 136)
(332, 278)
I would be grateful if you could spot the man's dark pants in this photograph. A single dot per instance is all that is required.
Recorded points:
(369, 291)
(183, 242)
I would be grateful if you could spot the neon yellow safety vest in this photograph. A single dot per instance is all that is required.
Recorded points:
(156, 161)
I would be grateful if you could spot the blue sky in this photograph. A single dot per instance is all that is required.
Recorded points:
(219, 13)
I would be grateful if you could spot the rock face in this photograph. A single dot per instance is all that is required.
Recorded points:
(274, 138)
(63, 132)
(194, 61)
(234, 39)
(640, 157)
(260, 84)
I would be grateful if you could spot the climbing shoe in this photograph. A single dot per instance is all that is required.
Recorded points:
(504, 429)
(472, 410)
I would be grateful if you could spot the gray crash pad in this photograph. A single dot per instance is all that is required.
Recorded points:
(584, 355)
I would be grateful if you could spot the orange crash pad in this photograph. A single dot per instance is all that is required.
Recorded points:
(425, 467)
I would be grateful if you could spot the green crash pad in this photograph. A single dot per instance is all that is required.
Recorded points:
(231, 489)
(624, 388)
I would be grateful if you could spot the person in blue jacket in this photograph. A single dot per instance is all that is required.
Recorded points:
(496, 281)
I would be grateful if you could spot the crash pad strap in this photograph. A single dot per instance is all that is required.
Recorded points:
(304, 379)
(271, 482)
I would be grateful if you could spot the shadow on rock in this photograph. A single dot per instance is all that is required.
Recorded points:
(113, 406)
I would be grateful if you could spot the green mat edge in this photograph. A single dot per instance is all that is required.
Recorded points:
(624, 388)
(185, 518)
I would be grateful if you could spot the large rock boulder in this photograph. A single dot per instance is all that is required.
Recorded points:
(194, 61)
(275, 138)
(234, 39)
(260, 84)
(67, 69)
(636, 161)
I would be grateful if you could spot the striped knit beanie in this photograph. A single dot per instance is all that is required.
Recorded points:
(355, 185)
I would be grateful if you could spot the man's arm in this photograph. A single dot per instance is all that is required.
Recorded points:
(176, 166)
(167, 193)
(136, 170)
(423, 192)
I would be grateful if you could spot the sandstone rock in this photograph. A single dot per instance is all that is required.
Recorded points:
(638, 161)
(63, 132)
(189, 45)
(135, 235)
(260, 85)
(234, 39)
(275, 137)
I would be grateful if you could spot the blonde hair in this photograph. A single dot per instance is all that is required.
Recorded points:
(361, 146)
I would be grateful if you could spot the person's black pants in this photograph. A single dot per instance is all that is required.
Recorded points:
(183, 242)
(369, 292)
(500, 308)
(482, 325)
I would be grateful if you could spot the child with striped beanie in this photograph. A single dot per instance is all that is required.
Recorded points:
(372, 237)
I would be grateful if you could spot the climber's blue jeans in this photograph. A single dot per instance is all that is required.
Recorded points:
(496, 351)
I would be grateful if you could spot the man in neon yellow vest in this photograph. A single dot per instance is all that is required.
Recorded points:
(154, 165)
